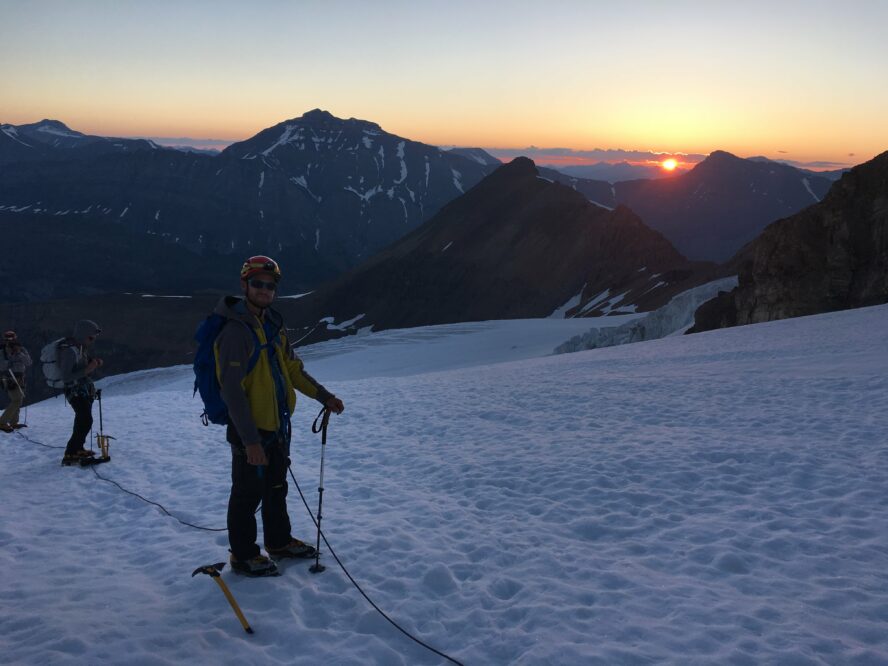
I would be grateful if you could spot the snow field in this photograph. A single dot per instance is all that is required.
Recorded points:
(717, 498)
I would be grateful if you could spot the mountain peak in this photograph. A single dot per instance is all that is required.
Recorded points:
(322, 117)
(318, 115)
(721, 155)
(48, 124)
(520, 166)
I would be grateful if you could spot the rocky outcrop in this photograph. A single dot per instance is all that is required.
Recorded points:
(831, 256)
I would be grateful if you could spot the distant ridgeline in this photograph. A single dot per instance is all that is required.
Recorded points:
(319, 193)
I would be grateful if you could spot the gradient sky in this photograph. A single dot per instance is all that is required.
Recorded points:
(803, 81)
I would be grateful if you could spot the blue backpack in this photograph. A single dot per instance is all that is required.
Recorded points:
(205, 380)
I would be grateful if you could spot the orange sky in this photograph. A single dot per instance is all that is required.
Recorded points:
(665, 77)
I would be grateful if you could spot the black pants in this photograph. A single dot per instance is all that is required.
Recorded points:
(249, 486)
(83, 421)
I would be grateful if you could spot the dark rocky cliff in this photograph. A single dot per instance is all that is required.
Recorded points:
(831, 256)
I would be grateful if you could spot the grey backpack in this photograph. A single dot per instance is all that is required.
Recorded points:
(50, 358)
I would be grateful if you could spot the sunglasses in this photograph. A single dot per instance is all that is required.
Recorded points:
(262, 284)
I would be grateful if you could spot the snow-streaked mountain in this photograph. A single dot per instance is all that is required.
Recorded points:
(713, 498)
(614, 172)
(317, 192)
(347, 185)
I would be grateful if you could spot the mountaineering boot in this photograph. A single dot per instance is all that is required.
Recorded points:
(6, 428)
(256, 567)
(79, 457)
(295, 549)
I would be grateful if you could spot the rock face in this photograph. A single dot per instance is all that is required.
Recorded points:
(516, 245)
(831, 256)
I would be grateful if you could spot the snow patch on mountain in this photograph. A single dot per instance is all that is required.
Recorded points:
(366, 195)
(303, 183)
(58, 131)
(571, 303)
(807, 185)
(12, 133)
(457, 182)
(400, 154)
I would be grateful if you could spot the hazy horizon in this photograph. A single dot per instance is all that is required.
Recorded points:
(795, 81)
(556, 157)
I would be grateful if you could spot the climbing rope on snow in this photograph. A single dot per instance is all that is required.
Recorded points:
(325, 414)
(323, 536)
(130, 492)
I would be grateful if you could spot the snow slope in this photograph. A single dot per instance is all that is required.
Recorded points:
(709, 499)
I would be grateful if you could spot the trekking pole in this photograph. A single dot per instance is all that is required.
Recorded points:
(101, 423)
(21, 391)
(16, 382)
(317, 567)
(212, 570)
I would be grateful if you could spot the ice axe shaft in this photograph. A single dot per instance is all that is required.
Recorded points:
(212, 570)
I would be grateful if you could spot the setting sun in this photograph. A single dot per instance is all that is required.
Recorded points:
(669, 165)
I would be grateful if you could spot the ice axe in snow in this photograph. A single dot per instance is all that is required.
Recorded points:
(213, 571)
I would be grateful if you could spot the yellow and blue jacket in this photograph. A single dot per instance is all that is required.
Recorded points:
(251, 394)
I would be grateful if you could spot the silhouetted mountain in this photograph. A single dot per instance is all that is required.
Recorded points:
(833, 174)
(722, 203)
(317, 192)
(711, 211)
(831, 256)
(615, 172)
(516, 245)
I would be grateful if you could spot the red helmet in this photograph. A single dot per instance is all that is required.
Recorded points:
(260, 264)
(9, 336)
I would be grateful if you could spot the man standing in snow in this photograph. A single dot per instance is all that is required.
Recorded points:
(257, 386)
(14, 360)
(76, 365)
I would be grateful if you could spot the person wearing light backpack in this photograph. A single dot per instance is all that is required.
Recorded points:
(68, 365)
